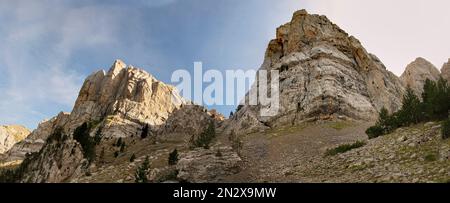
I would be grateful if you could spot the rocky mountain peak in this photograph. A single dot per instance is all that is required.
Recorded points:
(10, 135)
(126, 91)
(445, 71)
(324, 73)
(417, 72)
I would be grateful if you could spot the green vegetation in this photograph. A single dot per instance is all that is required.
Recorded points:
(81, 135)
(205, 137)
(98, 136)
(132, 158)
(344, 148)
(434, 106)
(173, 157)
(431, 157)
(122, 147)
(142, 171)
(446, 129)
(219, 153)
(145, 131)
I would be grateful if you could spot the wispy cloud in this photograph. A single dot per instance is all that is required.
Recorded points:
(39, 41)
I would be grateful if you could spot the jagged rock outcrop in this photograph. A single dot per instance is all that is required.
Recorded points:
(35, 140)
(445, 71)
(10, 135)
(201, 166)
(417, 72)
(186, 122)
(324, 73)
(118, 103)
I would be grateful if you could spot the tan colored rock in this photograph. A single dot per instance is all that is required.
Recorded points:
(417, 72)
(117, 104)
(324, 73)
(188, 121)
(10, 135)
(36, 139)
(204, 166)
(445, 71)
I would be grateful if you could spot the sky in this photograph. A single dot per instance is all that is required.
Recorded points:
(48, 47)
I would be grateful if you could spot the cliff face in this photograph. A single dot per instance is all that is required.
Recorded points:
(417, 72)
(445, 71)
(118, 103)
(10, 135)
(324, 73)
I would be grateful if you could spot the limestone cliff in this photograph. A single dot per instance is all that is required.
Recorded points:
(445, 71)
(324, 73)
(10, 135)
(417, 72)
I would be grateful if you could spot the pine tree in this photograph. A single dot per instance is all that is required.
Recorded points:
(81, 135)
(122, 147)
(119, 142)
(98, 137)
(132, 158)
(145, 131)
(173, 157)
(411, 112)
(142, 171)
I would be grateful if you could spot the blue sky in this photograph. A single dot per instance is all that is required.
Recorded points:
(48, 47)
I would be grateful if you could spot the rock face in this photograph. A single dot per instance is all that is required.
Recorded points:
(10, 135)
(200, 166)
(417, 72)
(188, 121)
(445, 71)
(118, 103)
(37, 138)
(324, 73)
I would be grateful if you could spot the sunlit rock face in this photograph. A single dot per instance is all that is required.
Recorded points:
(417, 72)
(324, 73)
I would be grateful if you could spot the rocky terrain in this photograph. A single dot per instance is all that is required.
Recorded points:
(445, 71)
(298, 154)
(331, 90)
(417, 72)
(10, 135)
(324, 73)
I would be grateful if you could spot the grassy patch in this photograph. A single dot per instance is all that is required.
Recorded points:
(339, 125)
(431, 157)
(344, 148)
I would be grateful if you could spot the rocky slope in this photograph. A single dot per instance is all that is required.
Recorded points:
(445, 71)
(116, 104)
(10, 135)
(298, 154)
(324, 73)
(417, 72)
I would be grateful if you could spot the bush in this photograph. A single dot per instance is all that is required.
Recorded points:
(145, 131)
(219, 153)
(98, 136)
(81, 135)
(142, 171)
(206, 136)
(375, 131)
(173, 157)
(122, 147)
(116, 154)
(446, 129)
(344, 148)
(132, 158)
